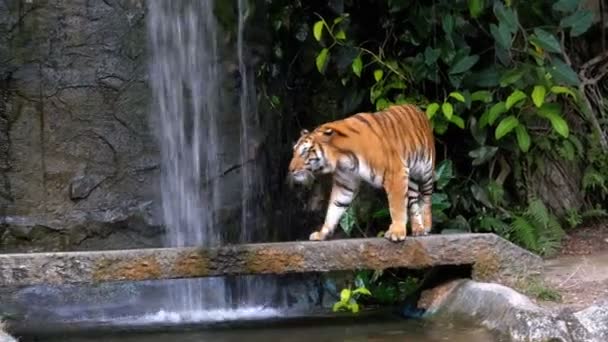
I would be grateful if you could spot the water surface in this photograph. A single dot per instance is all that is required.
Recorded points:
(369, 329)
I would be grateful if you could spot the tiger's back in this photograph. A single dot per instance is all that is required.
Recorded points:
(398, 135)
(393, 149)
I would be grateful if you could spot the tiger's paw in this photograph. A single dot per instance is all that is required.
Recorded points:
(317, 236)
(395, 233)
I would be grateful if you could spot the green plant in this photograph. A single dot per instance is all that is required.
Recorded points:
(541, 290)
(537, 229)
(348, 299)
(503, 83)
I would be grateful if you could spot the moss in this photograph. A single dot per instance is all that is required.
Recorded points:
(137, 269)
(274, 261)
(192, 263)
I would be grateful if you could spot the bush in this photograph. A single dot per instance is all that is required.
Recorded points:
(504, 84)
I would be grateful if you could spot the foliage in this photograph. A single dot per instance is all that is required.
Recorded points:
(348, 299)
(539, 289)
(536, 229)
(496, 79)
(378, 287)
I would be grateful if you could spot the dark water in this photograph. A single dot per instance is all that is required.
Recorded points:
(372, 329)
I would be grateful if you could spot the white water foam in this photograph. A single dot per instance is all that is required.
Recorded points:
(189, 317)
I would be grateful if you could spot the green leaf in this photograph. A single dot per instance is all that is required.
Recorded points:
(322, 59)
(563, 73)
(317, 30)
(505, 126)
(378, 73)
(338, 306)
(338, 20)
(354, 307)
(511, 77)
(431, 110)
(523, 138)
(506, 16)
(458, 96)
(546, 40)
(431, 55)
(559, 125)
(440, 127)
(341, 35)
(464, 64)
(579, 21)
(563, 90)
(566, 6)
(495, 112)
(482, 96)
(345, 295)
(502, 35)
(348, 221)
(382, 104)
(357, 66)
(447, 110)
(482, 154)
(483, 120)
(448, 24)
(476, 7)
(538, 95)
(514, 98)
(550, 109)
(444, 173)
(552, 112)
(363, 291)
(458, 121)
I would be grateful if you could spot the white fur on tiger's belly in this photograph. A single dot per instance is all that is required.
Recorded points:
(365, 172)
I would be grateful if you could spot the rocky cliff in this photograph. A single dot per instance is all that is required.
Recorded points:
(79, 164)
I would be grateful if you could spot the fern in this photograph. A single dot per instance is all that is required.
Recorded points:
(525, 233)
(594, 180)
(537, 229)
(594, 213)
(537, 211)
(567, 151)
(573, 217)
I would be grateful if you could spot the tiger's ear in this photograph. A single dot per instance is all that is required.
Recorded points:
(304, 132)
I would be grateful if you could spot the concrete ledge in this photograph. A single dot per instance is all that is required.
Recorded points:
(493, 259)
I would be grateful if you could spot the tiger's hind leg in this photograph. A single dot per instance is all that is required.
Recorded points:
(396, 187)
(426, 192)
(415, 210)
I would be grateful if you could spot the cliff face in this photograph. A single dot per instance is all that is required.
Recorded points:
(79, 164)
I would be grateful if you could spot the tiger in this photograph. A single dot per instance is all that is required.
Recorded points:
(393, 149)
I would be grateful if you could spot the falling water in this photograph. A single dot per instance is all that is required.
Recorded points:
(186, 78)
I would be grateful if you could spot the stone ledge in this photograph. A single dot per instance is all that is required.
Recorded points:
(492, 258)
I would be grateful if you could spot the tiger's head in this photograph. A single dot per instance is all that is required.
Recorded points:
(311, 156)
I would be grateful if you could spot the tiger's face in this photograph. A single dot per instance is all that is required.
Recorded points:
(309, 158)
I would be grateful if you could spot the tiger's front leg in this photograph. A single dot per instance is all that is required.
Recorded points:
(396, 187)
(342, 194)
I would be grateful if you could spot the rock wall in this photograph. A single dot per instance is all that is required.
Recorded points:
(79, 164)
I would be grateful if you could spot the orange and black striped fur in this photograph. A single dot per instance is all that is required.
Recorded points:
(393, 149)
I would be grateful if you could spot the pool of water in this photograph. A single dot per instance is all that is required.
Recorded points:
(378, 329)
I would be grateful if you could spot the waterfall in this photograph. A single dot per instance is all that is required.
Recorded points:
(187, 81)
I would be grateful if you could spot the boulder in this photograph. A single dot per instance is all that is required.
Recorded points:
(512, 314)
